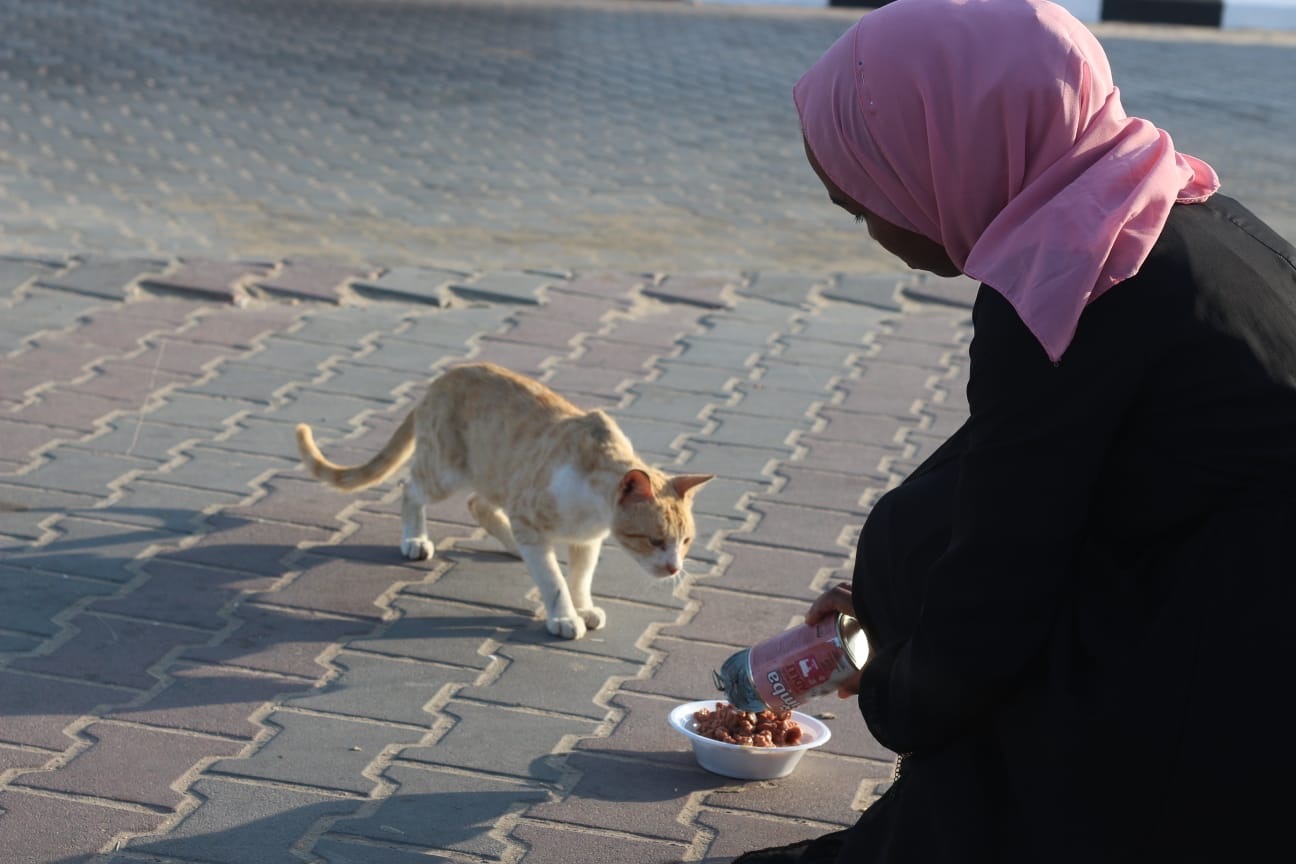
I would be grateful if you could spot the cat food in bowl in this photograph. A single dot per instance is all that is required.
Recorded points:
(755, 761)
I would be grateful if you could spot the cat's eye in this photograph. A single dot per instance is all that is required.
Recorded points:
(657, 543)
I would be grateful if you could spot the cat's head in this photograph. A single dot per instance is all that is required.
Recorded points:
(654, 519)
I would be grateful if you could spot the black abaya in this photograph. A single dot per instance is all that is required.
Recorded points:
(1078, 606)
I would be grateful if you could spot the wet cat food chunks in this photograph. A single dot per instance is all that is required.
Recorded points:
(750, 729)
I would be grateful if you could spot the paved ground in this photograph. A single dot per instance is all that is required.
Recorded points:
(222, 219)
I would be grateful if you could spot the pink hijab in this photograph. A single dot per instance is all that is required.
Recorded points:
(993, 127)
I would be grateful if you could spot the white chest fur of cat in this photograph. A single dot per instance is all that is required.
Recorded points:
(543, 472)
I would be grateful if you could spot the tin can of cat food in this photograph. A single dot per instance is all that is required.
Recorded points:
(795, 666)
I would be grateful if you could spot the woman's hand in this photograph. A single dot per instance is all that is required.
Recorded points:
(836, 599)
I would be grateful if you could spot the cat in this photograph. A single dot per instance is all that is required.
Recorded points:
(542, 472)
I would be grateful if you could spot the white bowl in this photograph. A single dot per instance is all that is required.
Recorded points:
(746, 763)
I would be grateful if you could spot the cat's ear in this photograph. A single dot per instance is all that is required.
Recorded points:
(686, 484)
(635, 487)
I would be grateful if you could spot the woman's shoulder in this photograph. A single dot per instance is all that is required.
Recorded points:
(1225, 223)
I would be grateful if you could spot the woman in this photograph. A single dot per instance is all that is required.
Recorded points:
(1078, 607)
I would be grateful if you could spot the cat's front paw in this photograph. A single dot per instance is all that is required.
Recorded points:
(594, 617)
(416, 548)
(567, 628)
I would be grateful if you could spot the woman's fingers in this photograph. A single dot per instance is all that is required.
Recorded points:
(836, 599)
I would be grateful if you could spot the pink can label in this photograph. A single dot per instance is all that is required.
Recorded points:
(799, 664)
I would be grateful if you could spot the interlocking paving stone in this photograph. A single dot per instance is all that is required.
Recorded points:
(734, 461)
(93, 549)
(825, 489)
(528, 680)
(597, 800)
(872, 289)
(131, 764)
(500, 741)
(643, 732)
(790, 289)
(705, 290)
(71, 470)
(777, 372)
(278, 641)
(440, 632)
(959, 291)
(410, 284)
(503, 287)
(772, 570)
(216, 700)
(801, 527)
(73, 410)
(238, 823)
(166, 506)
(310, 280)
(750, 430)
(344, 747)
(206, 592)
(847, 457)
(335, 851)
(203, 277)
(685, 670)
(552, 844)
(630, 357)
(335, 586)
(110, 650)
(693, 378)
(626, 623)
(29, 600)
(821, 789)
(729, 617)
(736, 834)
(38, 709)
(389, 689)
(102, 277)
(520, 357)
(775, 401)
(442, 810)
(38, 828)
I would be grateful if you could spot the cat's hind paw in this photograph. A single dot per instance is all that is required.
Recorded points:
(594, 617)
(416, 548)
(567, 628)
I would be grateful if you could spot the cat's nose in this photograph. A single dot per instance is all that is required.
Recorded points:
(672, 569)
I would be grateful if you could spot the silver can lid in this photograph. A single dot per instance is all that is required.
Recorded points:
(853, 640)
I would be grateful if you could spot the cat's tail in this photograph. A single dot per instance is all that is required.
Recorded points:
(351, 477)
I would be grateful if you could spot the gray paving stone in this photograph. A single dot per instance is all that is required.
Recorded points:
(733, 461)
(760, 568)
(164, 506)
(334, 851)
(529, 679)
(692, 378)
(483, 577)
(206, 278)
(388, 689)
(196, 410)
(25, 512)
(106, 277)
(318, 752)
(68, 469)
(93, 548)
(282, 353)
(775, 401)
(503, 287)
(40, 828)
(959, 291)
(800, 352)
(873, 289)
(440, 632)
(791, 289)
(549, 844)
(16, 272)
(844, 324)
(344, 330)
(665, 404)
(619, 640)
(29, 600)
(114, 651)
(37, 709)
(239, 822)
(643, 732)
(279, 642)
(310, 280)
(750, 430)
(442, 810)
(598, 798)
(500, 741)
(224, 470)
(410, 285)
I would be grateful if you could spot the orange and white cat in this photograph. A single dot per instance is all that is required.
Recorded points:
(543, 472)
